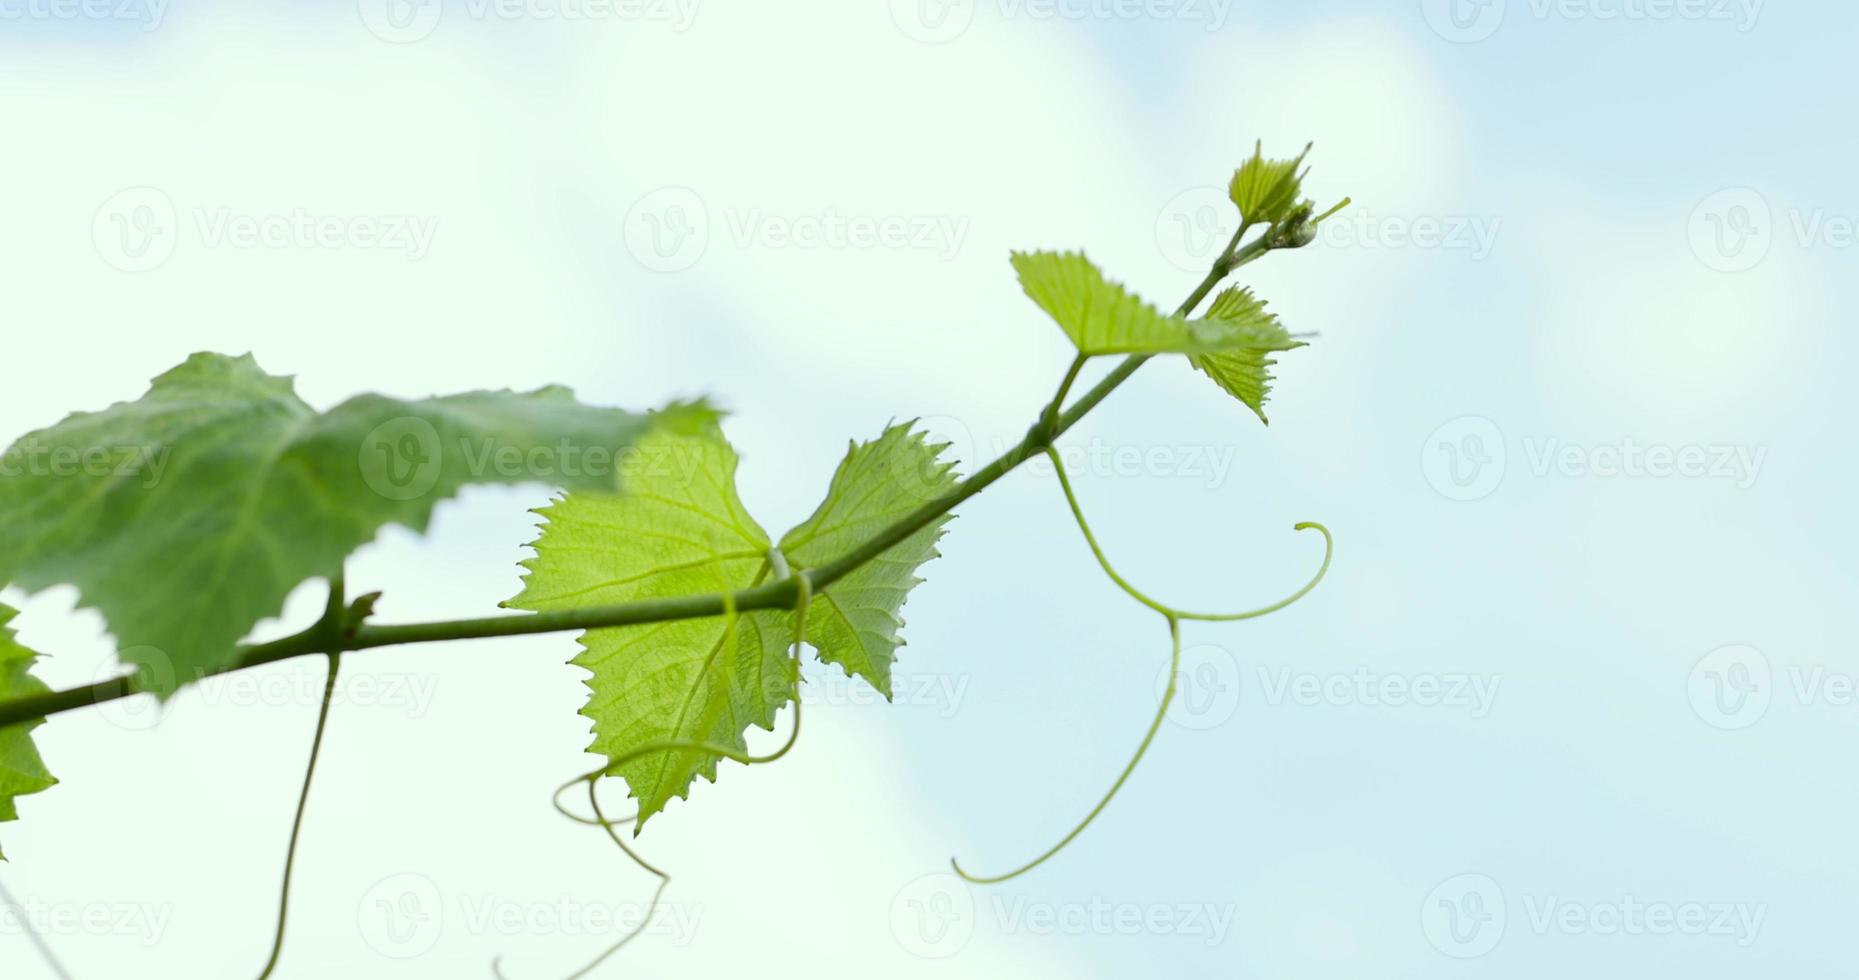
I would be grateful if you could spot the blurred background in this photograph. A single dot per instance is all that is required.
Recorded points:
(1578, 695)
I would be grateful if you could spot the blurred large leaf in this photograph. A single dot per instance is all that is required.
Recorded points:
(21, 770)
(189, 515)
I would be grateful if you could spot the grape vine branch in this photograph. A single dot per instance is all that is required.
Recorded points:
(281, 482)
(346, 630)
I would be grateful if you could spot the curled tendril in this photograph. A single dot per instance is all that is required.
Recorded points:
(1071, 499)
(803, 599)
(1174, 617)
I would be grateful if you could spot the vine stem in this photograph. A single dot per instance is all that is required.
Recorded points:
(773, 595)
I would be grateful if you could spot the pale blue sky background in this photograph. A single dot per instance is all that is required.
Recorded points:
(1647, 230)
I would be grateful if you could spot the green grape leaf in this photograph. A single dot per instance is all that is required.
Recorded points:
(189, 515)
(1266, 190)
(1101, 317)
(1245, 372)
(680, 529)
(21, 770)
(853, 622)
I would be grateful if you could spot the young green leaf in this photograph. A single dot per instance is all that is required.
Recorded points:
(1266, 190)
(1245, 372)
(854, 621)
(189, 515)
(680, 529)
(21, 770)
(1101, 317)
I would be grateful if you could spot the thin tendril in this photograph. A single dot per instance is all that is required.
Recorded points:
(32, 934)
(303, 800)
(1174, 617)
(1168, 697)
(803, 599)
(1049, 419)
(664, 880)
(1071, 498)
